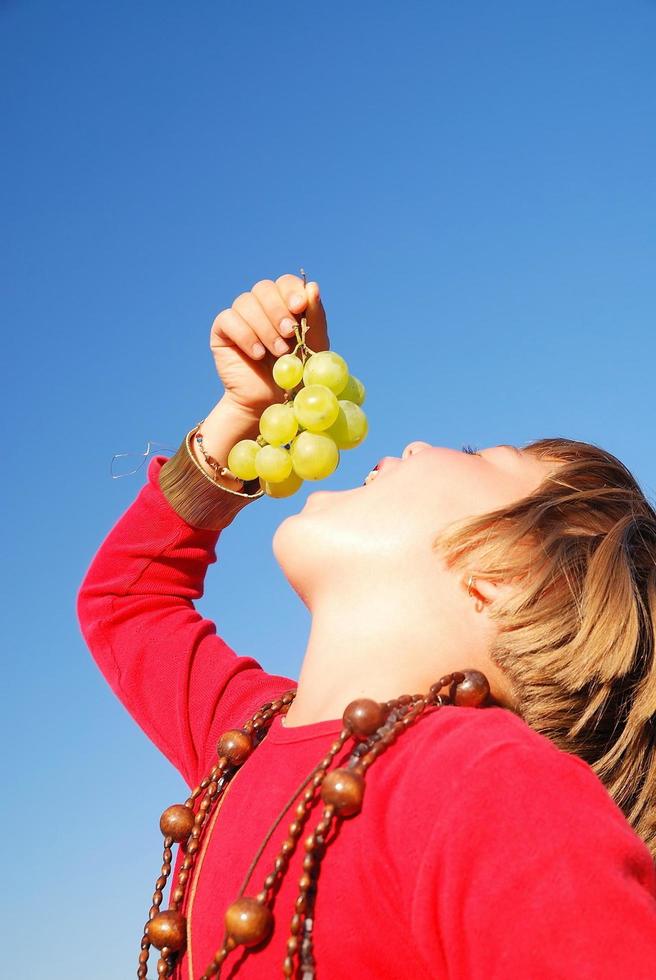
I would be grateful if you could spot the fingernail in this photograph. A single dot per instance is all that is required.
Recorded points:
(296, 300)
(280, 346)
(287, 326)
(258, 350)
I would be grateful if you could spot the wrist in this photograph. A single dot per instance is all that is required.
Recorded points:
(247, 418)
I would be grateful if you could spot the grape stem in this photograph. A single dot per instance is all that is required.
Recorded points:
(300, 337)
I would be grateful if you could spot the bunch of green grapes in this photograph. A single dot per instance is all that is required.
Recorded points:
(301, 437)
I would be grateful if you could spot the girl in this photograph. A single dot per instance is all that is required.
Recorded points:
(507, 840)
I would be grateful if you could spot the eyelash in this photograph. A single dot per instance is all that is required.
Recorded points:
(470, 449)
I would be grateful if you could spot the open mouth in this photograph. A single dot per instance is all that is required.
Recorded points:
(371, 476)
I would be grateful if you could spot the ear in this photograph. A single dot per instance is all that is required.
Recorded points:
(488, 591)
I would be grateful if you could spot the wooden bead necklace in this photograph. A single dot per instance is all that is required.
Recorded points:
(249, 920)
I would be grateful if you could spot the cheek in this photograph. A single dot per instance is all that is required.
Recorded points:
(473, 494)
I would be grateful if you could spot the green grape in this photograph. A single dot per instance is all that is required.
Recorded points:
(288, 371)
(241, 459)
(350, 427)
(316, 407)
(273, 463)
(354, 391)
(283, 489)
(314, 455)
(326, 368)
(278, 424)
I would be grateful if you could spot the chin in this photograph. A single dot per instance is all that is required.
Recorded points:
(293, 550)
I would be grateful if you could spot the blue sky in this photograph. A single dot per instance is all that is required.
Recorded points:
(473, 187)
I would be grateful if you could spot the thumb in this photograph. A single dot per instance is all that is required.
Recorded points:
(316, 318)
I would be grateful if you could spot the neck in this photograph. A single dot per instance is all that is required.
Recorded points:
(374, 645)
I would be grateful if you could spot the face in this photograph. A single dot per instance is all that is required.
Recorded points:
(388, 525)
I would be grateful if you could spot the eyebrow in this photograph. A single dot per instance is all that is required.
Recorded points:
(507, 445)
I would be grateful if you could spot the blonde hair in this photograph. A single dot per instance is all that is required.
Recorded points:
(576, 636)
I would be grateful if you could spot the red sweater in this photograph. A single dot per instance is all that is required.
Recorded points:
(482, 851)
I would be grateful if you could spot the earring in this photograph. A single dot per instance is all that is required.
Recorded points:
(470, 584)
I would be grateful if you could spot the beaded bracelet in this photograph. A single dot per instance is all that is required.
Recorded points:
(213, 463)
(219, 470)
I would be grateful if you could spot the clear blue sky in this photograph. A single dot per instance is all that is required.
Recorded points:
(473, 186)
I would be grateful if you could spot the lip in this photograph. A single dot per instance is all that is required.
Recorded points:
(385, 463)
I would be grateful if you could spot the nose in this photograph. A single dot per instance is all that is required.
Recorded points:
(414, 447)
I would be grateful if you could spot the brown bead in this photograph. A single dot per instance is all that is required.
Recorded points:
(473, 690)
(364, 717)
(177, 822)
(248, 922)
(168, 929)
(344, 790)
(236, 745)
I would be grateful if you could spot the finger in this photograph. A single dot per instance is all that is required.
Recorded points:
(316, 319)
(306, 300)
(292, 290)
(229, 328)
(274, 306)
(249, 307)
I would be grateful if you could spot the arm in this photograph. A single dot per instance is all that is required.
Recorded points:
(535, 872)
(180, 681)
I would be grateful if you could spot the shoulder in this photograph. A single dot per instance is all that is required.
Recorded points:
(466, 763)
(481, 738)
(474, 801)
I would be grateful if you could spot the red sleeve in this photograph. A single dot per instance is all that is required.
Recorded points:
(180, 681)
(535, 872)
